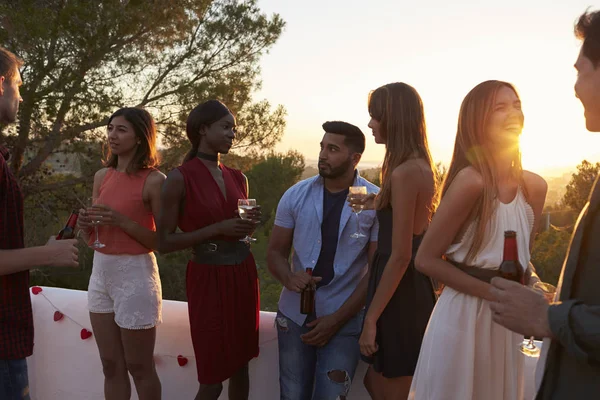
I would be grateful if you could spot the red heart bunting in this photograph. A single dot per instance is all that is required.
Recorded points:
(181, 360)
(58, 316)
(85, 334)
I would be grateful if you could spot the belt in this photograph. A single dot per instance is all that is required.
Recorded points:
(220, 252)
(482, 274)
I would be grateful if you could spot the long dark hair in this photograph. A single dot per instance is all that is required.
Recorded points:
(399, 110)
(146, 155)
(203, 115)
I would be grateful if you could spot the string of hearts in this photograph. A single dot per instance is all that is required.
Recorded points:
(86, 334)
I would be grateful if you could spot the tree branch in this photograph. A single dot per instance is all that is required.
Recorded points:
(28, 189)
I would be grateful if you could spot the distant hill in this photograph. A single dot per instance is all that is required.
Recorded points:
(370, 174)
(309, 171)
(557, 184)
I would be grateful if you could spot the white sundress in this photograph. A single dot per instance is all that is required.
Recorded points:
(465, 355)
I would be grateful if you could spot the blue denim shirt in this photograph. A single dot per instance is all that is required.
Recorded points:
(301, 209)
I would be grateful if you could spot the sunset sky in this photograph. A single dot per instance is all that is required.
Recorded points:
(333, 52)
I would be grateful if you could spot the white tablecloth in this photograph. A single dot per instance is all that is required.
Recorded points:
(65, 367)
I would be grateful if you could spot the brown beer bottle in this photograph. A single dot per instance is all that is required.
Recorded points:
(511, 267)
(68, 232)
(307, 297)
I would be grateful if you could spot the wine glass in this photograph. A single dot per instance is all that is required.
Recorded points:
(245, 205)
(91, 202)
(357, 208)
(528, 346)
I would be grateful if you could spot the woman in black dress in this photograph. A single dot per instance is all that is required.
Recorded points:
(399, 299)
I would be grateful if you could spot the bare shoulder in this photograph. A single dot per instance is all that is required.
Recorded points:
(156, 178)
(468, 181)
(535, 184)
(100, 174)
(174, 183)
(174, 175)
(414, 170)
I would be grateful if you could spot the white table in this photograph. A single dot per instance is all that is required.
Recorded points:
(65, 367)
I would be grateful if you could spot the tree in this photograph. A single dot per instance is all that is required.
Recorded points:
(85, 58)
(578, 189)
(548, 254)
(269, 179)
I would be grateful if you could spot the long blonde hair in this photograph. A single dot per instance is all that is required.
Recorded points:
(399, 110)
(470, 149)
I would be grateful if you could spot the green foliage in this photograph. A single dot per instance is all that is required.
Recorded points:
(270, 288)
(549, 251)
(85, 58)
(578, 189)
(269, 179)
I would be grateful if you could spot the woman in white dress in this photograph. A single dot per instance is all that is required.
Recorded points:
(465, 355)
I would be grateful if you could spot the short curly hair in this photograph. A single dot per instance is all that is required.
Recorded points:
(587, 29)
(353, 136)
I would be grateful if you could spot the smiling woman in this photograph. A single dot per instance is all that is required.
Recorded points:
(485, 194)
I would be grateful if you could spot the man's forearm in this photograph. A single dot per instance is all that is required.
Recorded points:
(279, 266)
(12, 261)
(355, 302)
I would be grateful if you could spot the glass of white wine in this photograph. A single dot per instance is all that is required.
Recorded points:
(528, 346)
(358, 191)
(92, 201)
(245, 205)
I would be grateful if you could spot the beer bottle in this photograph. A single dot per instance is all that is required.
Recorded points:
(511, 267)
(68, 232)
(307, 297)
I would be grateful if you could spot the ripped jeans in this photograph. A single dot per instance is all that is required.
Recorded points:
(303, 368)
(14, 383)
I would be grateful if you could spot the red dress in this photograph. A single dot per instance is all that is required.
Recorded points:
(223, 300)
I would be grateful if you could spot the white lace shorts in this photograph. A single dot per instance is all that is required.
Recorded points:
(129, 286)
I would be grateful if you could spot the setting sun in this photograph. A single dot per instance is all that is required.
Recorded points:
(320, 80)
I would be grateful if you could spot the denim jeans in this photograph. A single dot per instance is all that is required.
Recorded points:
(304, 370)
(14, 383)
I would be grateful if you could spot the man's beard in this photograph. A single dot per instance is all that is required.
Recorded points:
(336, 172)
(7, 116)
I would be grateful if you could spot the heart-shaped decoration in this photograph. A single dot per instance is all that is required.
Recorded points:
(181, 360)
(36, 290)
(58, 315)
(85, 334)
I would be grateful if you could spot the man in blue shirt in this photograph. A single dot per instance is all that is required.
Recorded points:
(321, 350)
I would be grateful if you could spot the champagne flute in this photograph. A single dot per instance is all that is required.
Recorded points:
(91, 202)
(357, 208)
(245, 205)
(528, 346)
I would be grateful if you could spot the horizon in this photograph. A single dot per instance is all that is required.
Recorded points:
(550, 172)
(325, 63)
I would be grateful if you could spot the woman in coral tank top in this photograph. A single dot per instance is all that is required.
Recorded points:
(124, 293)
(201, 197)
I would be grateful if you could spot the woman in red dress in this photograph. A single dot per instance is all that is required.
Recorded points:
(201, 198)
